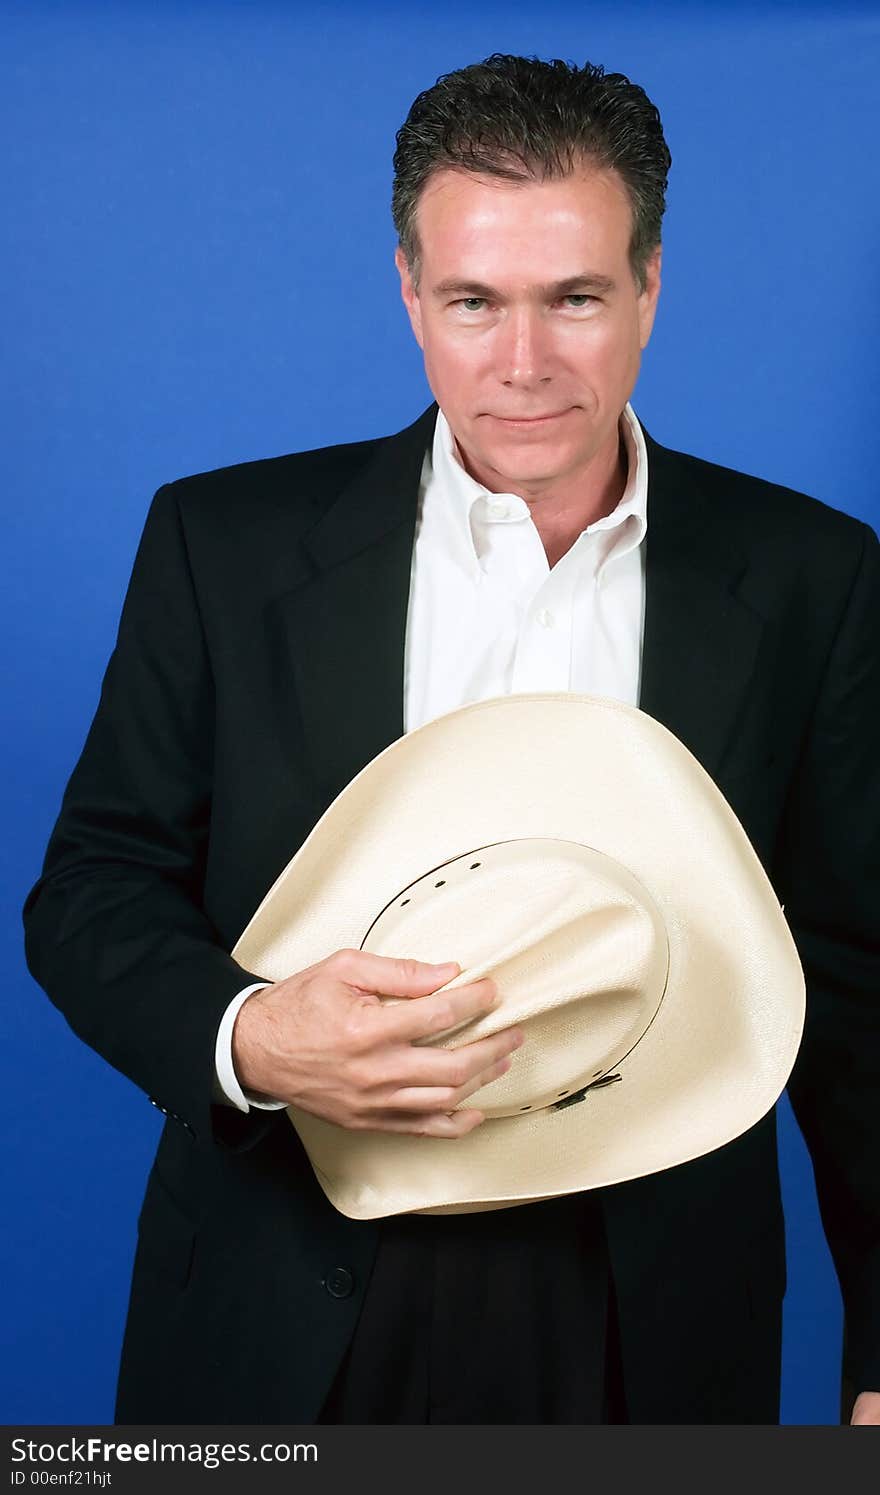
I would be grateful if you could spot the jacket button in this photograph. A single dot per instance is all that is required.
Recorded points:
(339, 1282)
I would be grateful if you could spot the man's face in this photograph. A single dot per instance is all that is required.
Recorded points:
(530, 320)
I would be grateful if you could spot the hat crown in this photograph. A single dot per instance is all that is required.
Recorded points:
(574, 942)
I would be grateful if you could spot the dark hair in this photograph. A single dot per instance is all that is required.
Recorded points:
(524, 120)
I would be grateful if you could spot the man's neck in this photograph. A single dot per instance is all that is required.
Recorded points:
(562, 511)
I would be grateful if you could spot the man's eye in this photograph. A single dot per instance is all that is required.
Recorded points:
(577, 301)
(473, 303)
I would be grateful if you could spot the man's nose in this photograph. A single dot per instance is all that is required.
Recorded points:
(523, 351)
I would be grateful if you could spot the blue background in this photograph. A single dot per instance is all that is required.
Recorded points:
(197, 270)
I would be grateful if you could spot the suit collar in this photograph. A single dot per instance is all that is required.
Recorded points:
(346, 625)
(702, 638)
(382, 495)
(343, 626)
(683, 499)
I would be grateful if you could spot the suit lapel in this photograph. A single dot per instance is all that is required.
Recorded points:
(701, 637)
(345, 625)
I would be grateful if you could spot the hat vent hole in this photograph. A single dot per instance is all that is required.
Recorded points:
(474, 865)
(441, 883)
(525, 1108)
(403, 902)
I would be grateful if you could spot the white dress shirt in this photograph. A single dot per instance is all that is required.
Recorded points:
(489, 616)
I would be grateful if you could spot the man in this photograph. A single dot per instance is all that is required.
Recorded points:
(288, 619)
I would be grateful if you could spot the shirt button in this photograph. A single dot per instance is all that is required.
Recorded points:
(545, 618)
(497, 509)
(339, 1282)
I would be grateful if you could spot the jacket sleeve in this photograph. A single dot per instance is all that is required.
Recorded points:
(115, 929)
(829, 860)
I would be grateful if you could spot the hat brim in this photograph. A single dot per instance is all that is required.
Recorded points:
(578, 768)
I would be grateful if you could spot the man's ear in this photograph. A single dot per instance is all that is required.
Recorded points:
(649, 297)
(410, 295)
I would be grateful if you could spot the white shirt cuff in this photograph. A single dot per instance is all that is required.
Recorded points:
(227, 1090)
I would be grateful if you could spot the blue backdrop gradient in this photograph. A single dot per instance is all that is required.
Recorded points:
(197, 268)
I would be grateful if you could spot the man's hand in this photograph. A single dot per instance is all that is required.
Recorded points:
(866, 1409)
(324, 1041)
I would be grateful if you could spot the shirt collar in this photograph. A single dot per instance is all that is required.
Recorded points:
(472, 504)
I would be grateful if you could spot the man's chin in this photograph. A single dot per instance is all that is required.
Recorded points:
(512, 467)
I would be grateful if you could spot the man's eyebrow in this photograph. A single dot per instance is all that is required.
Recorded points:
(588, 282)
(573, 286)
(464, 288)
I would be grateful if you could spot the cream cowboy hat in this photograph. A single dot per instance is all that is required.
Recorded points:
(573, 849)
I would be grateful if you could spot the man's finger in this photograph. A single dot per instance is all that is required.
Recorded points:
(388, 976)
(435, 1012)
(434, 1098)
(440, 1124)
(426, 1067)
(866, 1409)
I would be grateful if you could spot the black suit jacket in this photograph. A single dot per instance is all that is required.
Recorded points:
(259, 665)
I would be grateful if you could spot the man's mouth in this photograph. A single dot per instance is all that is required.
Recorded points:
(530, 420)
